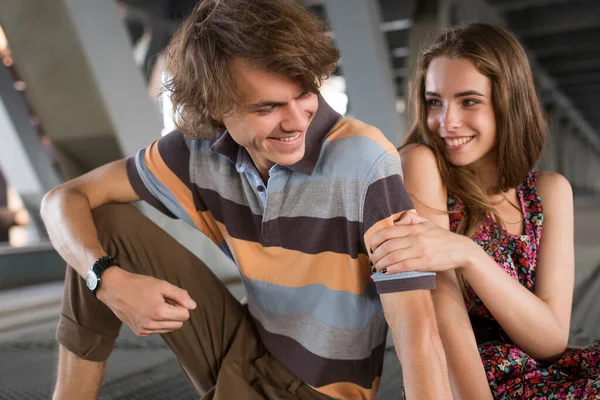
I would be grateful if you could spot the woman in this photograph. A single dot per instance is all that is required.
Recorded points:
(499, 234)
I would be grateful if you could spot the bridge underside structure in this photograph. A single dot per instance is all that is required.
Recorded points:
(80, 76)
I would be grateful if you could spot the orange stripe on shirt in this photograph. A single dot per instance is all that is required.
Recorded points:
(349, 127)
(161, 171)
(213, 226)
(346, 390)
(293, 268)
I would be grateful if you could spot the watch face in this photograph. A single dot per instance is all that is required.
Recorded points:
(91, 280)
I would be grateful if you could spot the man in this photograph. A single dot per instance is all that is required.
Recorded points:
(284, 186)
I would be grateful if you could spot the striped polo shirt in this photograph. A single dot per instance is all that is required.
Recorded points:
(298, 241)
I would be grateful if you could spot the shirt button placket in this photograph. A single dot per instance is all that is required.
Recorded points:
(270, 228)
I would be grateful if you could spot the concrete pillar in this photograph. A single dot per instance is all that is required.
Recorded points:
(366, 66)
(83, 82)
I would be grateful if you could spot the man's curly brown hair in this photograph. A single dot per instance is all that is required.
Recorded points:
(277, 36)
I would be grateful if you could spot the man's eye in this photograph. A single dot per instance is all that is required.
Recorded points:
(265, 111)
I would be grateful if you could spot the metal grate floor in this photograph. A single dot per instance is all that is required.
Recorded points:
(137, 369)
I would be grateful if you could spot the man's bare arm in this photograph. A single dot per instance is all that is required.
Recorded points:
(411, 318)
(67, 212)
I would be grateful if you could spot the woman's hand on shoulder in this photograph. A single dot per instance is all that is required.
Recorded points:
(417, 244)
(420, 242)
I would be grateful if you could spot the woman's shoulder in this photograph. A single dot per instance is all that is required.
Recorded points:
(416, 149)
(419, 162)
(422, 176)
(554, 190)
(419, 158)
(552, 183)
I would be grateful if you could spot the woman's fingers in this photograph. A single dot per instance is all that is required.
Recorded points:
(411, 264)
(392, 232)
(396, 260)
(409, 218)
(390, 246)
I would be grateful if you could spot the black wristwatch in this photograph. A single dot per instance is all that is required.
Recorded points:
(92, 278)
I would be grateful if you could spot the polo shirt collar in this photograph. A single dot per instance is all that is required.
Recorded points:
(323, 121)
(226, 146)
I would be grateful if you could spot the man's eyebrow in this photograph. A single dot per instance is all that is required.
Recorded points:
(267, 103)
(459, 94)
(271, 103)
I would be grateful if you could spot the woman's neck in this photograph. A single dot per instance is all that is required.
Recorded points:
(486, 170)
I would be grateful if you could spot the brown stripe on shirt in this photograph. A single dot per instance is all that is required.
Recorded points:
(385, 197)
(403, 285)
(318, 371)
(309, 235)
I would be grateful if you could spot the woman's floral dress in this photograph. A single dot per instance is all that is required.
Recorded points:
(511, 373)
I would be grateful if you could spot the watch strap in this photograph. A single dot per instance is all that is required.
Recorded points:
(102, 264)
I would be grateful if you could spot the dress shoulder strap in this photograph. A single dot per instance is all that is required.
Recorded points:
(532, 205)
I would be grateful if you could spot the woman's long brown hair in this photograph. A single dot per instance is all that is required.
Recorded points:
(520, 123)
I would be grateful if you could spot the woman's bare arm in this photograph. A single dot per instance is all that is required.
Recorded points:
(537, 322)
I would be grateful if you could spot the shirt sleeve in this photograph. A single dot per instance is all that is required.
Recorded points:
(159, 174)
(386, 200)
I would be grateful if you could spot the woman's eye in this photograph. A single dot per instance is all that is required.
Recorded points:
(470, 102)
(432, 102)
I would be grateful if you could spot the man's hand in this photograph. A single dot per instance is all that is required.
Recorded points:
(417, 244)
(145, 304)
